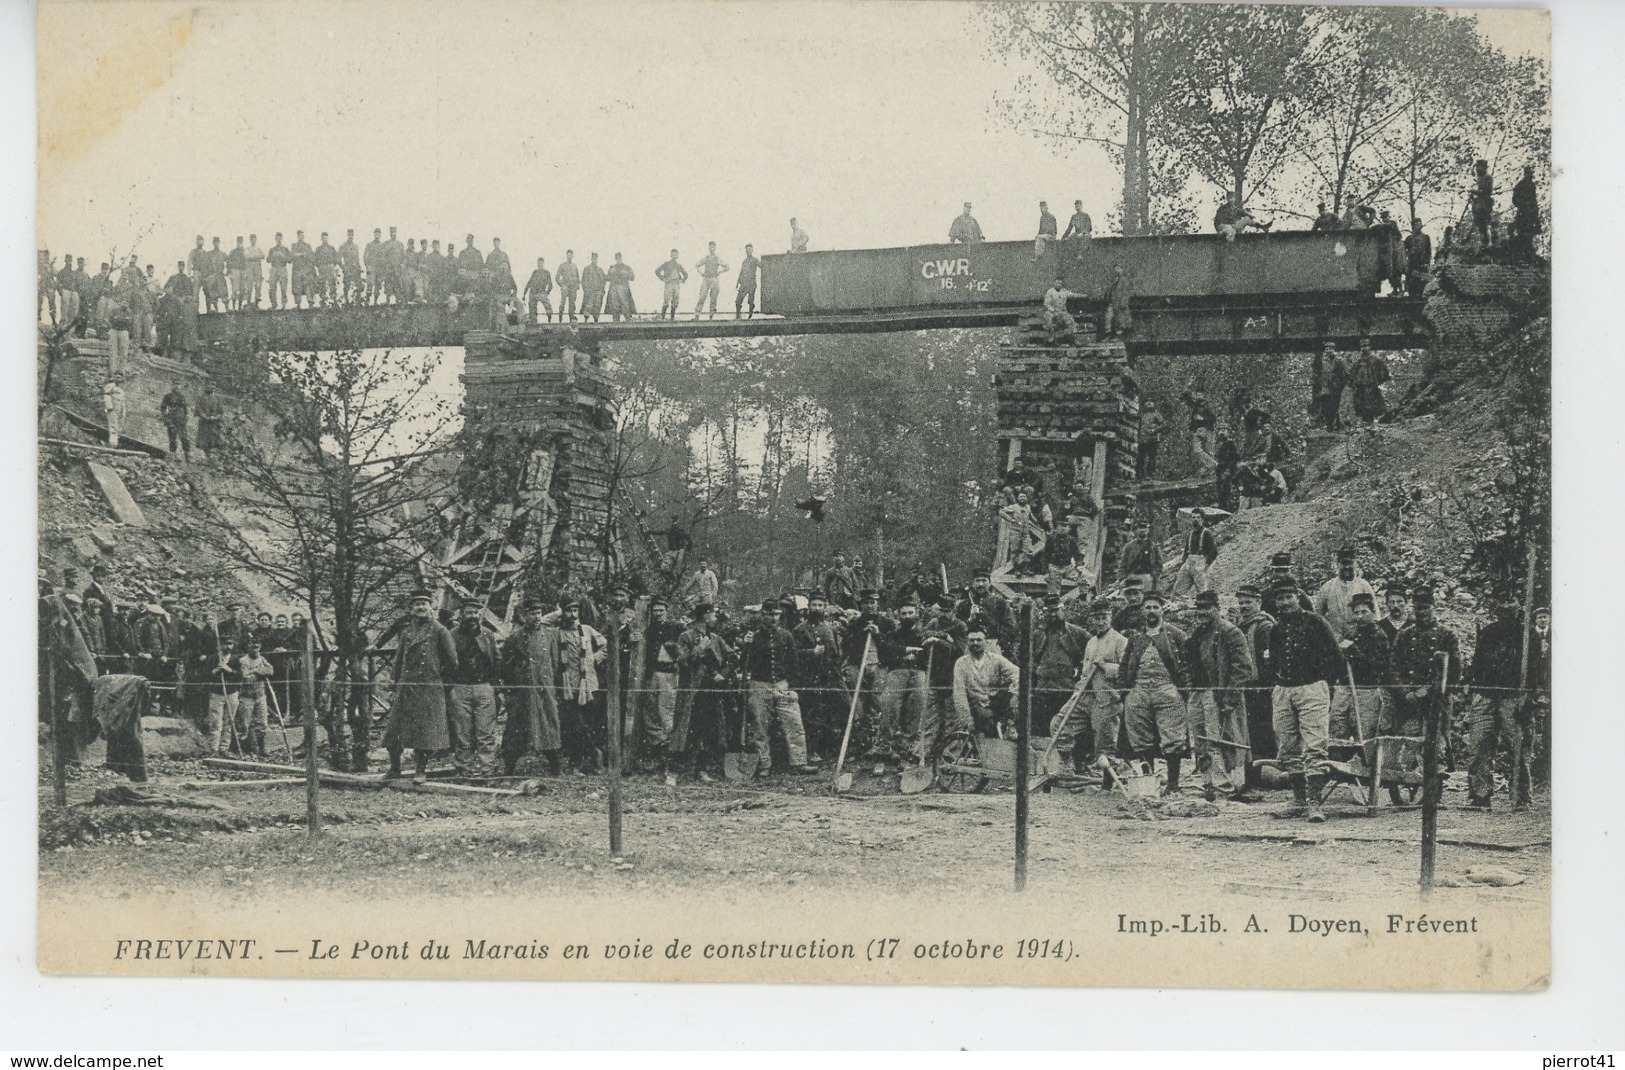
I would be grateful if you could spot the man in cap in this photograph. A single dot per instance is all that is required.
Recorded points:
(624, 621)
(904, 690)
(1305, 661)
(944, 634)
(1281, 569)
(539, 291)
(863, 674)
(1130, 617)
(986, 609)
(1221, 665)
(672, 274)
(1371, 665)
(215, 668)
(840, 585)
(100, 577)
(1080, 226)
(985, 685)
(1155, 674)
(1498, 708)
(1047, 229)
(1325, 220)
(1367, 375)
(1200, 553)
(530, 693)
(579, 652)
(568, 277)
(769, 653)
(1058, 648)
(1331, 376)
(1335, 599)
(1257, 625)
(697, 736)
(88, 612)
(965, 230)
(818, 674)
(1098, 714)
(660, 676)
(745, 288)
(472, 696)
(254, 671)
(1398, 616)
(1420, 652)
(425, 658)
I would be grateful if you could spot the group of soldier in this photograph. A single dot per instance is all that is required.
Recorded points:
(229, 674)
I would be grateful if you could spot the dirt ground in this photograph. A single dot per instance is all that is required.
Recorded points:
(782, 833)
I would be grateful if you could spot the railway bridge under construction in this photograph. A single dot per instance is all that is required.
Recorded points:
(1069, 407)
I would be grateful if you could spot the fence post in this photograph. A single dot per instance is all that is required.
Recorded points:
(313, 811)
(59, 757)
(1024, 715)
(612, 715)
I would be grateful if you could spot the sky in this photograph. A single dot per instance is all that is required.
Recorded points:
(617, 125)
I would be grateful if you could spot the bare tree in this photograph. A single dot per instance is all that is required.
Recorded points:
(329, 491)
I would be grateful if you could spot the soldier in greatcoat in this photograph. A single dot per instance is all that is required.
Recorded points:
(425, 656)
(529, 688)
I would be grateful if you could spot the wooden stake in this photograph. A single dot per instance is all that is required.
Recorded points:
(313, 777)
(612, 714)
(59, 728)
(1522, 778)
(1430, 774)
(1023, 731)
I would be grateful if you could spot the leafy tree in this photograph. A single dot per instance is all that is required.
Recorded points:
(1102, 73)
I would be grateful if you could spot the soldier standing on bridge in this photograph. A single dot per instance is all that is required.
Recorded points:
(372, 261)
(798, 237)
(1080, 226)
(253, 273)
(537, 290)
(350, 264)
(593, 284)
(215, 291)
(745, 295)
(326, 261)
(709, 267)
(178, 318)
(500, 270)
(392, 253)
(1046, 229)
(236, 263)
(304, 271)
(470, 268)
(569, 280)
(278, 259)
(621, 276)
(673, 275)
(1325, 220)
(965, 230)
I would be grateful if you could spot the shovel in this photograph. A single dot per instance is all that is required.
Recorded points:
(740, 766)
(843, 781)
(917, 779)
(1048, 768)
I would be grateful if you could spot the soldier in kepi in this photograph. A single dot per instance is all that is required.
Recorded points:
(673, 275)
(965, 230)
(425, 660)
(745, 293)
